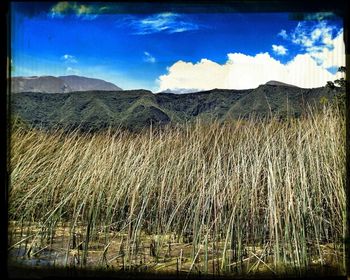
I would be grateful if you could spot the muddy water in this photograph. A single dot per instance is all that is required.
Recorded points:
(46, 258)
(172, 256)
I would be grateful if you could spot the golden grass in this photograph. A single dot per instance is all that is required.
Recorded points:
(246, 194)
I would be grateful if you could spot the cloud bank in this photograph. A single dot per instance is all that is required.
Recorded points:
(307, 70)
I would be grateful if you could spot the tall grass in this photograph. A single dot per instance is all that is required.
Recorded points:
(241, 195)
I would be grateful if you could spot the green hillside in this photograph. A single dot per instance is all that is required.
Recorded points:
(137, 109)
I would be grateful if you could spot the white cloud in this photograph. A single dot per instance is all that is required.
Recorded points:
(283, 34)
(70, 70)
(330, 57)
(149, 58)
(300, 37)
(69, 58)
(243, 71)
(279, 50)
(308, 36)
(164, 22)
(205, 74)
(323, 42)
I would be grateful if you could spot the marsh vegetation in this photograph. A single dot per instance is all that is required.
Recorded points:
(240, 197)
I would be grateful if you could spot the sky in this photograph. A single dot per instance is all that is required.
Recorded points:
(170, 49)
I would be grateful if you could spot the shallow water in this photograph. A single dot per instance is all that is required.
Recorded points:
(173, 255)
(46, 258)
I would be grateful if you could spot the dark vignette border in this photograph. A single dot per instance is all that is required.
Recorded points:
(299, 7)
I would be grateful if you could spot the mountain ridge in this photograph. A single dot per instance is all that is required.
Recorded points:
(278, 83)
(80, 83)
(60, 84)
(137, 109)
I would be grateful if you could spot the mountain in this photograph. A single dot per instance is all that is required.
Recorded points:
(180, 90)
(276, 83)
(137, 109)
(62, 84)
(78, 83)
(192, 90)
(45, 84)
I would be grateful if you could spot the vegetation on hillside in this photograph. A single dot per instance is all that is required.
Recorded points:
(137, 109)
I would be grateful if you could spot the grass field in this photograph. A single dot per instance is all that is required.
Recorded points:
(242, 197)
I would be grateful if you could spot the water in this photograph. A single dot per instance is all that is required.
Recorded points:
(45, 258)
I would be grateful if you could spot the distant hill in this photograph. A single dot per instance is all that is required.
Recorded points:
(276, 83)
(45, 84)
(180, 90)
(62, 84)
(78, 83)
(137, 109)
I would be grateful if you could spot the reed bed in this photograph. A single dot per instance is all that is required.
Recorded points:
(242, 197)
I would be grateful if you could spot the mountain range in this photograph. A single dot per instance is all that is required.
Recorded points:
(61, 84)
(95, 109)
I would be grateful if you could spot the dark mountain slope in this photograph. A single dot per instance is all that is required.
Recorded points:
(137, 109)
(208, 104)
(90, 110)
(279, 100)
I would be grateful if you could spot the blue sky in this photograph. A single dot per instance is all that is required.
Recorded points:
(151, 50)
